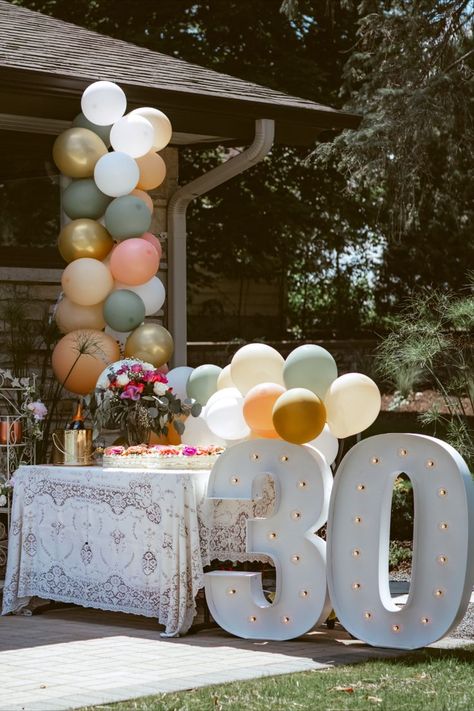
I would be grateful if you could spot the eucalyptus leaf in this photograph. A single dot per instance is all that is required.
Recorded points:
(179, 426)
(196, 409)
(153, 412)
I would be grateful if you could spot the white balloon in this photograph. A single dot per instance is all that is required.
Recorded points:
(152, 293)
(116, 174)
(133, 135)
(326, 444)
(197, 433)
(112, 368)
(225, 379)
(178, 378)
(161, 125)
(119, 336)
(222, 394)
(352, 404)
(225, 417)
(103, 103)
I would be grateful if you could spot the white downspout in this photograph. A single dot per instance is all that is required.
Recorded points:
(177, 206)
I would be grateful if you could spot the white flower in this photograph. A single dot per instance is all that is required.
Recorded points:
(3, 500)
(159, 388)
(123, 379)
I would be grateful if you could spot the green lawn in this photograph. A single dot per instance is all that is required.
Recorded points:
(431, 680)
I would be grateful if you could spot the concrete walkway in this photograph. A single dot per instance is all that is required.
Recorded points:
(72, 657)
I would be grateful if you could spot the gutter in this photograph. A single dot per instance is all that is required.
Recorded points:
(177, 207)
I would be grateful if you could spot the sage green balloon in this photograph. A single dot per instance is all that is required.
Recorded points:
(202, 383)
(311, 367)
(127, 216)
(82, 198)
(102, 131)
(124, 310)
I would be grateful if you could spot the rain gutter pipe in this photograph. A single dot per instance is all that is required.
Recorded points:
(177, 207)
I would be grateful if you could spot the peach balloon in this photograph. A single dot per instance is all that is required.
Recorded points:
(152, 171)
(142, 195)
(134, 261)
(70, 316)
(151, 239)
(80, 357)
(87, 281)
(258, 407)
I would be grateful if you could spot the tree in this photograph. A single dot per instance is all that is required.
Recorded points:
(410, 74)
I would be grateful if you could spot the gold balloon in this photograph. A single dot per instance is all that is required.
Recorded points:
(150, 342)
(299, 415)
(84, 238)
(76, 151)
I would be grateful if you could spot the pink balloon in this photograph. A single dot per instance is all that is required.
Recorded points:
(134, 261)
(154, 241)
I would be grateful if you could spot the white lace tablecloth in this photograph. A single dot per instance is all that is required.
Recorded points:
(127, 540)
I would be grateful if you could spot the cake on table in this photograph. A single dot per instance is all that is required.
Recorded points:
(159, 456)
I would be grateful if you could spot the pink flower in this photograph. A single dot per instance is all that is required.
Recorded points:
(136, 368)
(38, 409)
(132, 392)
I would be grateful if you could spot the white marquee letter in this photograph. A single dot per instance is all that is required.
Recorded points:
(303, 483)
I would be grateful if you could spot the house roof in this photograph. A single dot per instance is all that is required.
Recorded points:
(45, 64)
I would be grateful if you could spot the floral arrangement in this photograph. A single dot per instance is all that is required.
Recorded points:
(138, 400)
(38, 412)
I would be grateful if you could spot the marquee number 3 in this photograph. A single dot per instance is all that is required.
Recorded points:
(303, 482)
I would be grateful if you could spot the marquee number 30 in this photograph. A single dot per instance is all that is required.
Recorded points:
(358, 540)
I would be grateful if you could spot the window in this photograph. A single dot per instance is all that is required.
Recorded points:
(29, 201)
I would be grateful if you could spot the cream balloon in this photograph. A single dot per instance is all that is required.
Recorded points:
(326, 444)
(87, 281)
(119, 336)
(225, 417)
(71, 317)
(225, 379)
(161, 125)
(256, 363)
(352, 404)
(152, 293)
(197, 433)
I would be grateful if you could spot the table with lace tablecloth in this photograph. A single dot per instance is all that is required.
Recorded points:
(127, 540)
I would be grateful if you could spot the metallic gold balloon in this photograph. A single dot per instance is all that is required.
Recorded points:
(84, 238)
(150, 342)
(76, 151)
(298, 415)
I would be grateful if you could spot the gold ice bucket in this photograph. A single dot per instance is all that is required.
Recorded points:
(72, 447)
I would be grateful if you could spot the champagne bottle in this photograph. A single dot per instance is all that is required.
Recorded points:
(77, 422)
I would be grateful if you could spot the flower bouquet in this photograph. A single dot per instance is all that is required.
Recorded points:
(138, 400)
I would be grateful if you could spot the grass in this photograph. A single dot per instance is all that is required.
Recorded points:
(438, 680)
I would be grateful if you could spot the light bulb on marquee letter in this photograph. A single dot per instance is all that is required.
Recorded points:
(299, 555)
(443, 569)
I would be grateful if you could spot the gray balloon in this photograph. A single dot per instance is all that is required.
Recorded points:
(102, 131)
(124, 310)
(82, 198)
(127, 216)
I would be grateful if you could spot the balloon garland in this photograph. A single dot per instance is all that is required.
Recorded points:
(301, 400)
(110, 281)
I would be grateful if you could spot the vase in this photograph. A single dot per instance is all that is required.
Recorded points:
(134, 434)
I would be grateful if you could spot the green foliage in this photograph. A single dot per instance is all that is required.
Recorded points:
(402, 511)
(400, 555)
(431, 342)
